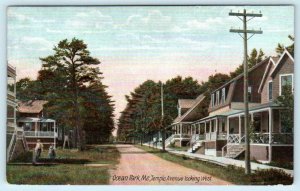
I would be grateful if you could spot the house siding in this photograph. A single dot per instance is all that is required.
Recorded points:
(254, 79)
(265, 89)
(286, 68)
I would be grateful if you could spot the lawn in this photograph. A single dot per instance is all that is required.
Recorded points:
(68, 168)
(230, 173)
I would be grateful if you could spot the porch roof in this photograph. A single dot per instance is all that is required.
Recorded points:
(260, 107)
(35, 119)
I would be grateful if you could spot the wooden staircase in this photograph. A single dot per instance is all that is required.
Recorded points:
(233, 151)
(196, 146)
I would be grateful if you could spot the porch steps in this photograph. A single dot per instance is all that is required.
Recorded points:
(234, 151)
(196, 146)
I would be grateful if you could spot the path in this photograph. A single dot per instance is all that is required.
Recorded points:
(223, 161)
(139, 167)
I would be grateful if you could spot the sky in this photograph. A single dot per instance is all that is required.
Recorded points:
(136, 43)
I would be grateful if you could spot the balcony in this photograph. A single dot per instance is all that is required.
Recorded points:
(40, 134)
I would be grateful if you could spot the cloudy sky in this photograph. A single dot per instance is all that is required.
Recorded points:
(139, 43)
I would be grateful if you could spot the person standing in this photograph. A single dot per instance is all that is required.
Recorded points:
(38, 149)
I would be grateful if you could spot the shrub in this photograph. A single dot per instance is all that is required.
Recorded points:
(271, 177)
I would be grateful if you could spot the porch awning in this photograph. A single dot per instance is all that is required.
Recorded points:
(35, 119)
(220, 115)
(260, 107)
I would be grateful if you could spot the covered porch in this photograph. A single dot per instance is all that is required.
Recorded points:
(265, 127)
(39, 128)
(210, 128)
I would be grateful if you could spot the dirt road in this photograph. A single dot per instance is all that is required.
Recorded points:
(138, 167)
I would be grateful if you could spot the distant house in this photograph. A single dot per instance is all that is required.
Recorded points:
(31, 120)
(188, 111)
(221, 133)
(15, 141)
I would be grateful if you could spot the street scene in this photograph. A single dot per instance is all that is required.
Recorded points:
(150, 95)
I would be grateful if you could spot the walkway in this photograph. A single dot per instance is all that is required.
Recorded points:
(138, 167)
(223, 161)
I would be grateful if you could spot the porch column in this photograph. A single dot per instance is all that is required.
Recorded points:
(270, 125)
(227, 127)
(217, 125)
(240, 129)
(35, 129)
(270, 133)
(180, 130)
(204, 126)
(199, 128)
(54, 134)
(210, 126)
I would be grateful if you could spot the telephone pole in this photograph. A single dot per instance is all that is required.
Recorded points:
(243, 17)
(162, 116)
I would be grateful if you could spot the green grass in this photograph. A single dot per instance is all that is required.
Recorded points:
(67, 168)
(230, 173)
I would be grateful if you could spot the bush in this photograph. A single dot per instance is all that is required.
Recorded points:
(271, 177)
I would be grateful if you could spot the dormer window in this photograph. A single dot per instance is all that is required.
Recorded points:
(223, 96)
(217, 97)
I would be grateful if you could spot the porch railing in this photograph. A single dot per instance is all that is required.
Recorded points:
(40, 134)
(215, 136)
(234, 139)
(263, 138)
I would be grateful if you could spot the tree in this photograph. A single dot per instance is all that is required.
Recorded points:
(28, 89)
(254, 58)
(142, 114)
(280, 47)
(286, 100)
(72, 68)
(98, 121)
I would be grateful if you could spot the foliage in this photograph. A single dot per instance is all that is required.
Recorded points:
(271, 177)
(142, 114)
(254, 58)
(280, 47)
(286, 100)
(70, 81)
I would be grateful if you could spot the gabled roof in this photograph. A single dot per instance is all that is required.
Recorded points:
(272, 61)
(186, 103)
(242, 74)
(285, 53)
(32, 106)
(197, 101)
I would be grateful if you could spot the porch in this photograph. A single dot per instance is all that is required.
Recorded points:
(211, 128)
(39, 128)
(265, 128)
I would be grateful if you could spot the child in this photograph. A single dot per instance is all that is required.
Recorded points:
(51, 153)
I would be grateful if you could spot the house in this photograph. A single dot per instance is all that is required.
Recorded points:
(221, 133)
(188, 111)
(15, 141)
(31, 120)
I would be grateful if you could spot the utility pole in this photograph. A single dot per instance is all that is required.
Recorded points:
(162, 116)
(243, 17)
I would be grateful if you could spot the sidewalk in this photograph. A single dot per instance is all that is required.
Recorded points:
(223, 161)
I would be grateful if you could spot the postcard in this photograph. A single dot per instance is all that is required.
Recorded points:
(150, 95)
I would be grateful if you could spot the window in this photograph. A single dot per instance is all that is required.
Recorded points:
(223, 96)
(212, 100)
(217, 97)
(285, 80)
(270, 89)
(249, 93)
